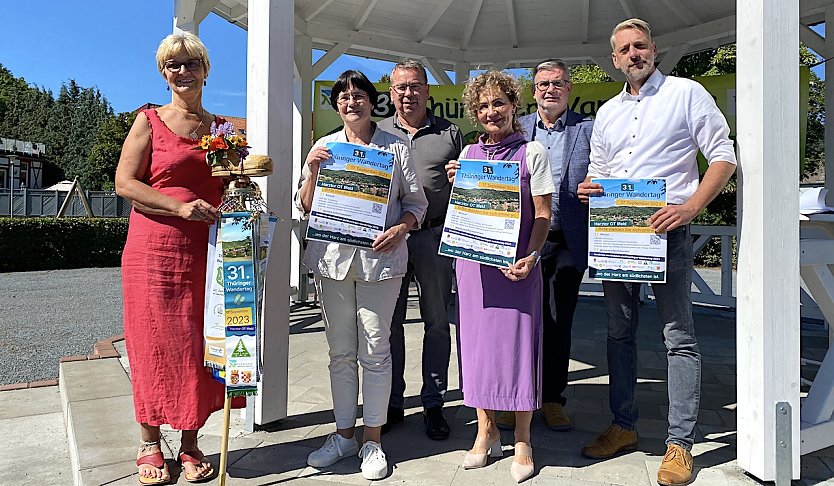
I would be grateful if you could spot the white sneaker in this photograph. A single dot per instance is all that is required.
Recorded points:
(374, 465)
(334, 449)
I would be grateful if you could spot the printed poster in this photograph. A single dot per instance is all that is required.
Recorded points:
(484, 215)
(239, 233)
(350, 202)
(621, 244)
(221, 327)
(214, 327)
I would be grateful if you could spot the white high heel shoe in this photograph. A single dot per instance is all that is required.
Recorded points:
(474, 461)
(521, 472)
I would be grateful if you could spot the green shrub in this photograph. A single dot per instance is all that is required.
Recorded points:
(28, 244)
(720, 212)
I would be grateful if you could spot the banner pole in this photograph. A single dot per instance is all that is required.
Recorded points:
(224, 441)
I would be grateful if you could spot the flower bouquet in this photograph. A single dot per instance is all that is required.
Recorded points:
(225, 149)
(228, 154)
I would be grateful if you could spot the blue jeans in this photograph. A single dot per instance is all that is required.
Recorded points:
(674, 309)
(434, 281)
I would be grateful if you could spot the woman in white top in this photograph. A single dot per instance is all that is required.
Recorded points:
(358, 287)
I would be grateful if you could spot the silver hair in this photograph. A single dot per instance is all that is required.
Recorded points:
(638, 24)
(411, 64)
(550, 65)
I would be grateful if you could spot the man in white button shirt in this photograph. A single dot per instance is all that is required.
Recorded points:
(655, 128)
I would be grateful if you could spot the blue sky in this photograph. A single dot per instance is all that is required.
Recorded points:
(111, 45)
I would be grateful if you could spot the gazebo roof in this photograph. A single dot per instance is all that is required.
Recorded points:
(508, 33)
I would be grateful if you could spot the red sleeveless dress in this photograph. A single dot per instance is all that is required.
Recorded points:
(163, 284)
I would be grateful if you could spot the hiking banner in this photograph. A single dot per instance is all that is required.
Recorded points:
(237, 260)
(586, 98)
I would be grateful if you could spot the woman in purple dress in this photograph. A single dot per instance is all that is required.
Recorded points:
(500, 323)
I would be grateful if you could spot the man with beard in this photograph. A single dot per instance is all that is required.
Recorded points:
(566, 136)
(654, 129)
(432, 141)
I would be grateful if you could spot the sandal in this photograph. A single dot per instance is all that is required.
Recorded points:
(156, 460)
(196, 458)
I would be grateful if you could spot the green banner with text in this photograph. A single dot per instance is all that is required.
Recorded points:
(585, 99)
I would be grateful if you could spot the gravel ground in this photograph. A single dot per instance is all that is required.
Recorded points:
(52, 314)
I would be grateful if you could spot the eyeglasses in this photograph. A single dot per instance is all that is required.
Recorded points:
(403, 88)
(190, 65)
(345, 98)
(557, 83)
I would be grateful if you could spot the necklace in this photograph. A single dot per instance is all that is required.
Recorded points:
(193, 135)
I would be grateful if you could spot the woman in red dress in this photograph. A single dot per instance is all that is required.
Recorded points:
(174, 198)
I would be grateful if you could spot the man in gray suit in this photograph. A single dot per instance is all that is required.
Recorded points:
(566, 135)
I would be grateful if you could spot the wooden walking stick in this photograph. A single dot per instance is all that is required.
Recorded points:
(224, 442)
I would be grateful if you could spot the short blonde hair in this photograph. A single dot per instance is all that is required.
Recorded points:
(638, 24)
(179, 42)
(491, 80)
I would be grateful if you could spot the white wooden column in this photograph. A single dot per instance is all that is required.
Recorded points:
(269, 128)
(184, 16)
(188, 14)
(437, 71)
(462, 72)
(829, 105)
(767, 327)
(302, 134)
(606, 64)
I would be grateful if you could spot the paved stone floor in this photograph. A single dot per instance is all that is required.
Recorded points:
(277, 455)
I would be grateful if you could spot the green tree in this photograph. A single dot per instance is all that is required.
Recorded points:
(100, 170)
(588, 73)
(80, 112)
(713, 62)
(68, 124)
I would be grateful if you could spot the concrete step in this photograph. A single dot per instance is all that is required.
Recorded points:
(97, 402)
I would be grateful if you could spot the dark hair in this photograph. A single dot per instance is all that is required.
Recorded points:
(358, 80)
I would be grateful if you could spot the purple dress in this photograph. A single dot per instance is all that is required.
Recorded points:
(500, 323)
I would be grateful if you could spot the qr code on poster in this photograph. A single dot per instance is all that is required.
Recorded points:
(654, 240)
(509, 224)
(377, 208)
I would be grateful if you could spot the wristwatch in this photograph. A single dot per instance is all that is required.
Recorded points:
(535, 254)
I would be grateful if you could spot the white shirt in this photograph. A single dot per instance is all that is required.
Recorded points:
(658, 133)
(332, 260)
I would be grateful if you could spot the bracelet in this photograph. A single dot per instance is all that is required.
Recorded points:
(535, 254)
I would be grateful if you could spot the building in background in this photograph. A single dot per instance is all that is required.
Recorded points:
(22, 164)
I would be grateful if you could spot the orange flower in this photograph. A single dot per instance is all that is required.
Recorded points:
(218, 143)
(205, 142)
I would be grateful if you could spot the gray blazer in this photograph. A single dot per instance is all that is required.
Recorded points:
(573, 214)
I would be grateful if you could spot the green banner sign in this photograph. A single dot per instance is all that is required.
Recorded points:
(585, 99)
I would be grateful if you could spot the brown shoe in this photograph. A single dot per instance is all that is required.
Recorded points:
(505, 420)
(676, 468)
(555, 417)
(612, 441)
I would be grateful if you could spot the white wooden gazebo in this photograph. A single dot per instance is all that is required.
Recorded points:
(461, 35)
